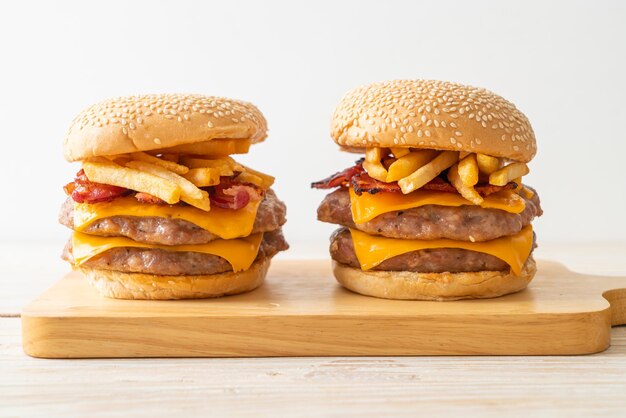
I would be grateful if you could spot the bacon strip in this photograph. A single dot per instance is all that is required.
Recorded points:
(486, 189)
(364, 183)
(340, 179)
(230, 194)
(84, 191)
(148, 198)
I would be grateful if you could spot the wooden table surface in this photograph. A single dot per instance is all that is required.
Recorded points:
(334, 386)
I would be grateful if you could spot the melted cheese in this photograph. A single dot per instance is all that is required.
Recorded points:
(368, 206)
(240, 253)
(372, 250)
(225, 223)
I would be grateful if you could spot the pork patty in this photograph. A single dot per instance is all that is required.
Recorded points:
(462, 223)
(168, 231)
(172, 263)
(437, 260)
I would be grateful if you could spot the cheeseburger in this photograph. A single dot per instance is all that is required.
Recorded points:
(159, 209)
(437, 209)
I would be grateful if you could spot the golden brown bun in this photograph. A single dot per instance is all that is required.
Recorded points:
(433, 286)
(435, 115)
(119, 285)
(144, 123)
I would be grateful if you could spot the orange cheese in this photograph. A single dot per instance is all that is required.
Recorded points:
(225, 223)
(240, 252)
(368, 206)
(372, 250)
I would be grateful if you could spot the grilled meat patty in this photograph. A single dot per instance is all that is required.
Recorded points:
(167, 231)
(462, 223)
(438, 260)
(172, 263)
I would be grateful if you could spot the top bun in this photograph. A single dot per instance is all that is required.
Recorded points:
(435, 115)
(156, 121)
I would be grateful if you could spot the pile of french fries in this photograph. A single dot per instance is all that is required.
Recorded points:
(170, 177)
(412, 169)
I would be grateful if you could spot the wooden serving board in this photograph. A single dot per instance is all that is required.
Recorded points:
(302, 311)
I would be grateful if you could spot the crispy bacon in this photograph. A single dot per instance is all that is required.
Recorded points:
(364, 183)
(84, 191)
(148, 198)
(340, 179)
(231, 194)
(486, 189)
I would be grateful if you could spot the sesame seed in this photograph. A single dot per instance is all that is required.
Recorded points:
(157, 141)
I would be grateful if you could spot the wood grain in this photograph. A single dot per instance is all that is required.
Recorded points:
(301, 311)
(285, 387)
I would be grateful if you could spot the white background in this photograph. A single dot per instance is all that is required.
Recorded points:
(562, 63)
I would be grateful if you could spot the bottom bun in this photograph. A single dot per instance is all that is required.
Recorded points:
(120, 285)
(433, 286)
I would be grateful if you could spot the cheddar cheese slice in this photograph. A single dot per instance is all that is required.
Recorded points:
(240, 252)
(372, 250)
(225, 223)
(368, 206)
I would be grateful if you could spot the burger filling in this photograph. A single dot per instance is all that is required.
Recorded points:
(437, 260)
(433, 211)
(429, 222)
(163, 230)
(171, 214)
(170, 262)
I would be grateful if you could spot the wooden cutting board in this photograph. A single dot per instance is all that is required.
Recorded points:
(302, 311)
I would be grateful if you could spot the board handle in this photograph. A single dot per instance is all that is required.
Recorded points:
(617, 299)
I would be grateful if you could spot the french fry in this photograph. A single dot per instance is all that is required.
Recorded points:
(169, 165)
(400, 152)
(373, 165)
(188, 189)
(203, 177)
(252, 179)
(203, 203)
(487, 164)
(407, 164)
(467, 191)
(374, 154)
(266, 179)
(375, 170)
(428, 172)
(140, 181)
(225, 164)
(508, 173)
(468, 170)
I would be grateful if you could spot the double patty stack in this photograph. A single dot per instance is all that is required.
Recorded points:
(159, 209)
(436, 210)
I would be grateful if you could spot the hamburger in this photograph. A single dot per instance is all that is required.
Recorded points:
(159, 208)
(436, 210)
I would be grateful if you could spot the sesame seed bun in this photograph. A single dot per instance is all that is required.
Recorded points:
(120, 285)
(433, 286)
(435, 115)
(157, 121)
